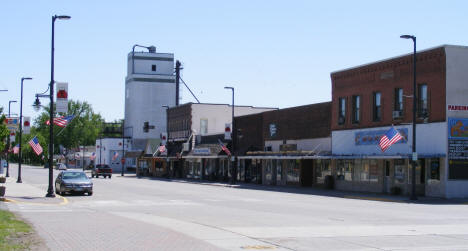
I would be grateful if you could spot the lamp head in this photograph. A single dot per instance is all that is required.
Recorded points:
(28, 78)
(407, 37)
(228, 87)
(37, 104)
(63, 17)
(151, 49)
(13, 101)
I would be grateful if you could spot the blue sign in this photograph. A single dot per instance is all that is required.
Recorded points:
(373, 137)
(458, 128)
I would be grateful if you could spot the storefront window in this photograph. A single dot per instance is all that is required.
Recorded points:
(197, 168)
(340, 170)
(322, 169)
(279, 171)
(268, 170)
(374, 171)
(293, 170)
(435, 169)
(348, 170)
(400, 170)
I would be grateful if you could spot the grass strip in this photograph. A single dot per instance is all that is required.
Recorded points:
(13, 232)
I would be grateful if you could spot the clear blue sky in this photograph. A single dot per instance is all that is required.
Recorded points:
(275, 53)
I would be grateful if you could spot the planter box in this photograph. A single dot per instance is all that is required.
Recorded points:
(2, 191)
(2, 179)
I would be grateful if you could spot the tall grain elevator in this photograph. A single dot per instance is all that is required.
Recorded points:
(149, 85)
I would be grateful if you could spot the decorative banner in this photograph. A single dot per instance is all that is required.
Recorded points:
(227, 131)
(62, 97)
(12, 123)
(163, 138)
(12, 136)
(26, 125)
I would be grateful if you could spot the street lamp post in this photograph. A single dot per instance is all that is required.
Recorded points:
(50, 189)
(21, 131)
(414, 154)
(8, 140)
(234, 135)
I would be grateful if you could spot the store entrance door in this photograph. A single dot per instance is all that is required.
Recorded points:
(307, 172)
(387, 180)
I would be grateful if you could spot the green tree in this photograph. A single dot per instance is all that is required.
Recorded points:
(82, 130)
(4, 133)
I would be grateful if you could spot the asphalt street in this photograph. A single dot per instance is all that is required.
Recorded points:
(130, 213)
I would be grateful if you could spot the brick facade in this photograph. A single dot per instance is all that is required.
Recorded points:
(384, 77)
(300, 122)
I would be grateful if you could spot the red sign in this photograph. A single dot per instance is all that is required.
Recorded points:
(123, 160)
(62, 94)
(458, 107)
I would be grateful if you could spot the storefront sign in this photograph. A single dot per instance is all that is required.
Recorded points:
(457, 108)
(201, 151)
(272, 130)
(288, 147)
(458, 138)
(458, 148)
(373, 137)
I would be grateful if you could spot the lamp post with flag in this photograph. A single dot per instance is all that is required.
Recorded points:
(8, 140)
(21, 131)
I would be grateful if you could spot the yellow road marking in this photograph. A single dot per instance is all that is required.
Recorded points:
(64, 202)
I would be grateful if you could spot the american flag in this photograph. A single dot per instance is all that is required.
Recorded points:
(162, 148)
(225, 149)
(62, 121)
(34, 143)
(16, 149)
(116, 154)
(389, 138)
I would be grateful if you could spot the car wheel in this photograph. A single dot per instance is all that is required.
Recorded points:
(90, 193)
(110, 176)
(56, 191)
(92, 175)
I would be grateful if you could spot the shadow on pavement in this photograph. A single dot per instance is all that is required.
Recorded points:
(315, 191)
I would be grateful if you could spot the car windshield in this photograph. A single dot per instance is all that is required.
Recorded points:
(74, 175)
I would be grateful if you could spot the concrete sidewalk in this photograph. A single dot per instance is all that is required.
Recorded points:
(28, 193)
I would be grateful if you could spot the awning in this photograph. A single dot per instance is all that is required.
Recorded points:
(205, 157)
(284, 157)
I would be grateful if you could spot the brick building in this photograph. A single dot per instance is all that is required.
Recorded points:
(289, 146)
(367, 100)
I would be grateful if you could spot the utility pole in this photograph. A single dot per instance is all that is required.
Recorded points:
(177, 68)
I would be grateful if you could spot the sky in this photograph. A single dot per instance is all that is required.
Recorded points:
(274, 53)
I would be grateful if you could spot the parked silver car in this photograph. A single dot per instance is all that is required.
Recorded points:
(73, 181)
